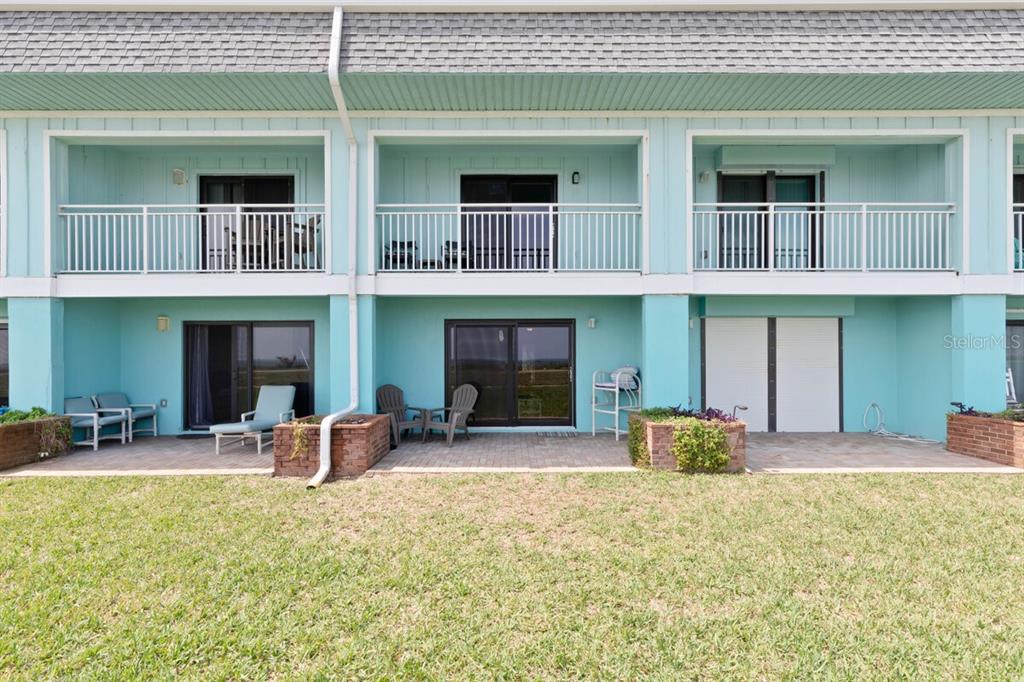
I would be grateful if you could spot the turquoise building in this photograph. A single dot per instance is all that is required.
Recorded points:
(790, 214)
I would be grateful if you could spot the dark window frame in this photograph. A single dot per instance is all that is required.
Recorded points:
(511, 384)
(250, 324)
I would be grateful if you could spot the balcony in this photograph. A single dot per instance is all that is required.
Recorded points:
(190, 238)
(508, 238)
(822, 237)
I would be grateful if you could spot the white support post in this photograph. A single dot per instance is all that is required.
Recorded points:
(771, 237)
(864, 237)
(145, 239)
(458, 239)
(551, 237)
(238, 238)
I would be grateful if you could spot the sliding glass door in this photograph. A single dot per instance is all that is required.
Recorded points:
(523, 370)
(227, 363)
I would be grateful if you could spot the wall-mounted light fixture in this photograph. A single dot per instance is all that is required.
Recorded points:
(575, 177)
(163, 323)
(591, 322)
(704, 177)
(178, 176)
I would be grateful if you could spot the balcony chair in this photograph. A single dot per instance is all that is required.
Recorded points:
(273, 407)
(391, 401)
(401, 255)
(304, 243)
(85, 415)
(455, 256)
(463, 400)
(136, 411)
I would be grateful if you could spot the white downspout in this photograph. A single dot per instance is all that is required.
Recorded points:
(333, 75)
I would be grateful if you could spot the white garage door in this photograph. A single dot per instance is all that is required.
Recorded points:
(736, 367)
(807, 374)
(737, 358)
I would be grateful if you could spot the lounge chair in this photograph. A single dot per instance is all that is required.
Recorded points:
(463, 400)
(85, 415)
(391, 401)
(136, 411)
(273, 407)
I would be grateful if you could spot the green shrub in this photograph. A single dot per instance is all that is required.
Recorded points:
(15, 416)
(701, 447)
(636, 441)
(54, 436)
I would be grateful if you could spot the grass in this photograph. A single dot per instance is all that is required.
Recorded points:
(597, 576)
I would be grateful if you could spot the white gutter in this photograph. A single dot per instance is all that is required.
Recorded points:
(333, 65)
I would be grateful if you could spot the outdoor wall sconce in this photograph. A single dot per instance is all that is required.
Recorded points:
(163, 323)
(704, 177)
(178, 176)
(591, 322)
(575, 177)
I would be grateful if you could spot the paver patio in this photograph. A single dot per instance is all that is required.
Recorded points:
(163, 456)
(822, 453)
(551, 452)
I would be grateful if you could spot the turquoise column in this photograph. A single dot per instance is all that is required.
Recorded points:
(36, 349)
(366, 307)
(978, 351)
(367, 353)
(339, 367)
(666, 350)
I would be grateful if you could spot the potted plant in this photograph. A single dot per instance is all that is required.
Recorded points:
(693, 441)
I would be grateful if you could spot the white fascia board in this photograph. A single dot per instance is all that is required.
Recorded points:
(196, 285)
(849, 284)
(484, 284)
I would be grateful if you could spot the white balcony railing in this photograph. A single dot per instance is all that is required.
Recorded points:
(508, 237)
(1017, 211)
(822, 236)
(194, 238)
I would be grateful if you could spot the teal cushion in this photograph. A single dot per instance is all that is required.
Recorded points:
(251, 426)
(142, 412)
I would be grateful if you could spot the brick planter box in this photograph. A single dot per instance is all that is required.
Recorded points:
(997, 440)
(20, 442)
(355, 447)
(661, 438)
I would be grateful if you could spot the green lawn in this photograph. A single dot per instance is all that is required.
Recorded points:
(608, 576)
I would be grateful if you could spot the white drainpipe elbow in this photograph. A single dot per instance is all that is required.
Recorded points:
(330, 420)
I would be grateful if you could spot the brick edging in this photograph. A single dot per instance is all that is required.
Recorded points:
(19, 441)
(661, 438)
(354, 447)
(989, 438)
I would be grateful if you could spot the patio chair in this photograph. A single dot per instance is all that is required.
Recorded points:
(463, 400)
(401, 255)
(273, 407)
(136, 411)
(391, 401)
(85, 415)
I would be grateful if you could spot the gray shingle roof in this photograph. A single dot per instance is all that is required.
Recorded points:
(378, 42)
(694, 42)
(164, 42)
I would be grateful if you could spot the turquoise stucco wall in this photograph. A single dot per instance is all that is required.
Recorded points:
(415, 361)
(666, 346)
(36, 347)
(115, 345)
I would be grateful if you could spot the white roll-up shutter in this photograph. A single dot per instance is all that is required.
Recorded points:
(807, 374)
(736, 367)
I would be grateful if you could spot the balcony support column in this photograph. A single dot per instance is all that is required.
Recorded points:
(665, 368)
(36, 348)
(978, 351)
